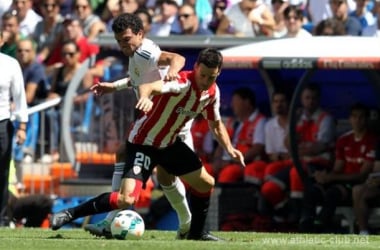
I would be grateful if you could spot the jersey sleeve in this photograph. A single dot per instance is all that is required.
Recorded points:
(212, 110)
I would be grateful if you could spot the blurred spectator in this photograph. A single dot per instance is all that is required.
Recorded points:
(66, 7)
(4, 6)
(273, 190)
(165, 21)
(320, 9)
(11, 33)
(36, 89)
(278, 7)
(218, 11)
(246, 130)
(129, 6)
(27, 17)
(376, 13)
(146, 19)
(248, 18)
(366, 195)
(339, 9)
(49, 27)
(189, 22)
(203, 9)
(315, 139)
(330, 27)
(354, 157)
(61, 77)
(293, 21)
(72, 31)
(365, 17)
(91, 24)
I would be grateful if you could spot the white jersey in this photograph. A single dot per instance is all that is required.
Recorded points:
(143, 68)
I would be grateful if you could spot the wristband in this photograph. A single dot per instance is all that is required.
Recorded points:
(121, 84)
(23, 129)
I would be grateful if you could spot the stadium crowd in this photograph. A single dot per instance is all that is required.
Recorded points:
(51, 38)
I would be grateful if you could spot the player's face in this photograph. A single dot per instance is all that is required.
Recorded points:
(358, 120)
(280, 104)
(310, 100)
(204, 76)
(128, 41)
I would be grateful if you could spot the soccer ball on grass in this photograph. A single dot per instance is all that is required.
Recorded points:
(127, 224)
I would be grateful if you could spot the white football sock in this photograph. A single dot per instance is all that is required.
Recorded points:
(116, 182)
(176, 194)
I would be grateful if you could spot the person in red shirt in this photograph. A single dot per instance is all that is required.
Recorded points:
(354, 158)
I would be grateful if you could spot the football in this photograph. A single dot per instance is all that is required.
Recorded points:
(127, 224)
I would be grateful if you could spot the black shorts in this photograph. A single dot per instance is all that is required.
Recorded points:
(177, 159)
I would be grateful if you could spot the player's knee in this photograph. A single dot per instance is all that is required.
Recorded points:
(164, 178)
(207, 183)
(356, 192)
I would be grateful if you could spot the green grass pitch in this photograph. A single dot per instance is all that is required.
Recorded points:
(71, 239)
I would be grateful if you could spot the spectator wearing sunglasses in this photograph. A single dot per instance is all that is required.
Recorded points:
(217, 14)
(293, 21)
(189, 22)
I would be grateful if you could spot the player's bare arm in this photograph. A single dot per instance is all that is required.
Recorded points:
(146, 90)
(102, 88)
(175, 62)
(221, 135)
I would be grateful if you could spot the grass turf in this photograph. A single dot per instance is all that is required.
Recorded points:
(70, 239)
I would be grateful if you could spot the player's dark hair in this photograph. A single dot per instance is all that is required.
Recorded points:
(210, 57)
(127, 21)
(246, 93)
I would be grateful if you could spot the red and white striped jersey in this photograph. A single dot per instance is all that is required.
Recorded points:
(161, 126)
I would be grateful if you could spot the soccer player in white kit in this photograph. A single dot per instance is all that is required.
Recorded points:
(147, 63)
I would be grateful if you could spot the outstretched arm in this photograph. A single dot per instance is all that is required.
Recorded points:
(102, 88)
(175, 63)
(221, 135)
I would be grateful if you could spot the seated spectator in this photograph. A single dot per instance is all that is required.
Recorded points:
(48, 28)
(189, 22)
(278, 7)
(217, 14)
(330, 27)
(36, 89)
(263, 174)
(203, 10)
(91, 24)
(246, 130)
(365, 17)
(339, 10)
(27, 17)
(11, 33)
(146, 19)
(293, 21)
(61, 78)
(315, 134)
(366, 195)
(72, 31)
(165, 21)
(247, 18)
(354, 157)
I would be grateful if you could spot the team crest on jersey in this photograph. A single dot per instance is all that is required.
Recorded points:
(137, 72)
(136, 170)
